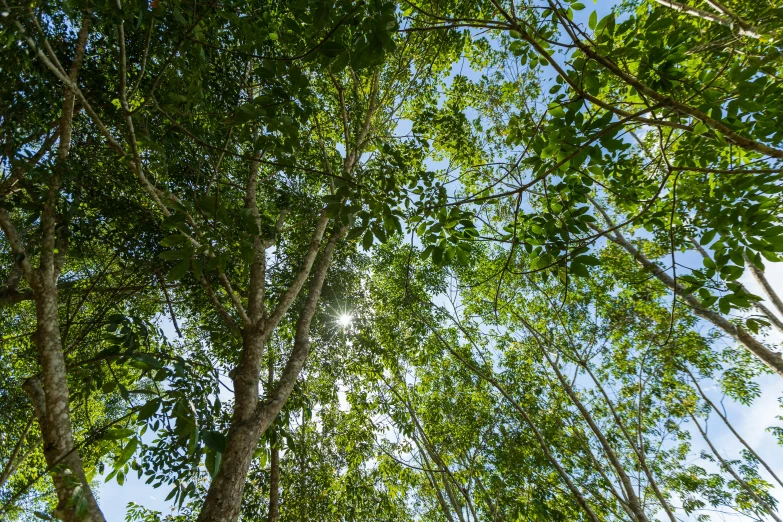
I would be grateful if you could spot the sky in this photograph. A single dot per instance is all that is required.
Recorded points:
(751, 422)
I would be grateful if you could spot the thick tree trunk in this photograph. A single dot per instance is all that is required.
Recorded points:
(224, 498)
(51, 404)
(49, 396)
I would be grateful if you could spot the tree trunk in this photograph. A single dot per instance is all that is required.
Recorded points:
(625, 480)
(764, 283)
(51, 404)
(274, 461)
(772, 359)
(248, 423)
(224, 498)
(274, 484)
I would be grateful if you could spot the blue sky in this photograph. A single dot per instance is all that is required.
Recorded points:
(751, 422)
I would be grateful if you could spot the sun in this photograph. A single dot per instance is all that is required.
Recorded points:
(345, 320)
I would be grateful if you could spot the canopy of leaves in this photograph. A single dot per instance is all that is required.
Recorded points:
(420, 260)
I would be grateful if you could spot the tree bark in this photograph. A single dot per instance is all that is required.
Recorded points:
(58, 444)
(758, 274)
(50, 397)
(274, 462)
(744, 28)
(224, 497)
(274, 484)
(772, 359)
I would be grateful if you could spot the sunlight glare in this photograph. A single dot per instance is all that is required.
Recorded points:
(345, 320)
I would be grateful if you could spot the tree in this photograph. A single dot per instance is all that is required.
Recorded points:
(525, 215)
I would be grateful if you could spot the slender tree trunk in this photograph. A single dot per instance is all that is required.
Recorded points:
(772, 359)
(731, 427)
(434, 482)
(274, 484)
(758, 274)
(625, 480)
(572, 487)
(639, 451)
(274, 463)
(725, 465)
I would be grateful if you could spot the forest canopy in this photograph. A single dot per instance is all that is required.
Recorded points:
(377, 260)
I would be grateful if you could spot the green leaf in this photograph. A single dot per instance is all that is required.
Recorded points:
(174, 240)
(214, 440)
(148, 410)
(593, 20)
(707, 238)
(332, 49)
(579, 270)
(118, 433)
(700, 128)
(367, 240)
(354, 233)
(127, 452)
(179, 271)
(586, 260)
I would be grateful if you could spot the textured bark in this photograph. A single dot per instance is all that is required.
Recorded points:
(49, 394)
(274, 485)
(224, 498)
(59, 451)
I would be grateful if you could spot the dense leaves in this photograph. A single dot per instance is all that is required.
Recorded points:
(448, 261)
